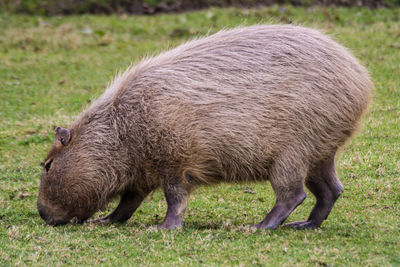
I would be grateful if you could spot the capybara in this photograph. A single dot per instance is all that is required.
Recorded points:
(265, 102)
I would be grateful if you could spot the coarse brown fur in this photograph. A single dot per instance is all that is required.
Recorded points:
(266, 102)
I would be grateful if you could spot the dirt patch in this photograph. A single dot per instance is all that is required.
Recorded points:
(69, 7)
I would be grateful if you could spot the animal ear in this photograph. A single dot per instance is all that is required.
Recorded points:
(62, 135)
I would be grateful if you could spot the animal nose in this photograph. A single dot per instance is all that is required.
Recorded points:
(47, 217)
(42, 212)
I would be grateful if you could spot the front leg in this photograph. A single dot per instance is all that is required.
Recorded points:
(177, 196)
(128, 204)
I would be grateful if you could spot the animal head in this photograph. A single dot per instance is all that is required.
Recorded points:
(67, 189)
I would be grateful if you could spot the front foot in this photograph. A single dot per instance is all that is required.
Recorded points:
(169, 225)
(302, 225)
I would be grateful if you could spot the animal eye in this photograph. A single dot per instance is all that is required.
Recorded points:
(47, 165)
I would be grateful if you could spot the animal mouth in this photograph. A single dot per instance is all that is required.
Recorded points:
(57, 222)
(76, 220)
(50, 220)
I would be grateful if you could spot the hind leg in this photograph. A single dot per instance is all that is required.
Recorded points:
(326, 187)
(286, 178)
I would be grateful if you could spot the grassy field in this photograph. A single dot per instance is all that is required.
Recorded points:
(51, 68)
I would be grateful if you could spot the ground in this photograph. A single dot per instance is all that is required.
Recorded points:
(53, 67)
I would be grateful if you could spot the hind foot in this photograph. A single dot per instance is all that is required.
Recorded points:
(261, 226)
(282, 209)
(302, 225)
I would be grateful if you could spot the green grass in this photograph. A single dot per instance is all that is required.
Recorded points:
(51, 68)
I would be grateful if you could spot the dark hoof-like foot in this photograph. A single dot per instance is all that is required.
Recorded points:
(302, 225)
(168, 226)
(261, 226)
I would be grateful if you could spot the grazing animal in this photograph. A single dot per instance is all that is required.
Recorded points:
(265, 102)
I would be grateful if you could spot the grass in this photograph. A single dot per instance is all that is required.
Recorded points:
(51, 68)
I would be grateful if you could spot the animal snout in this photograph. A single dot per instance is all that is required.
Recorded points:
(43, 212)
